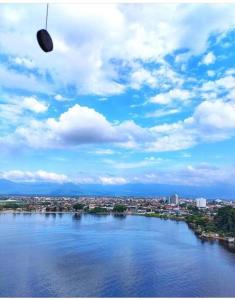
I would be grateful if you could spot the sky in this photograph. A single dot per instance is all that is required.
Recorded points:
(132, 93)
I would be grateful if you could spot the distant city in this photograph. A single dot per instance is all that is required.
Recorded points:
(142, 205)
(212, 219)
(172, 204)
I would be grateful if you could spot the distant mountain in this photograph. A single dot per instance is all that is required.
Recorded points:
(70, 189)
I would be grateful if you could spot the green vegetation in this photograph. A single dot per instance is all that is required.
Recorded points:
(156, 215)
(52, 209)
(78, 206)
(98, 210)
(165, 216)
(193, 209)
(119, 208)
(223, 223)
(225, 220)
(11, 205)
(201, 222)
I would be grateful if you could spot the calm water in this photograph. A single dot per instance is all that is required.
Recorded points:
(59, 255)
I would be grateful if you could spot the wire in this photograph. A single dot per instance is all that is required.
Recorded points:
(47, 15)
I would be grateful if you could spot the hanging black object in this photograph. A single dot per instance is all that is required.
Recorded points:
(44, 38)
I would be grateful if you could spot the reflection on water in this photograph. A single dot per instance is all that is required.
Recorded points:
(77, 216)
(229, 246)
(119, 216)
(73, 255)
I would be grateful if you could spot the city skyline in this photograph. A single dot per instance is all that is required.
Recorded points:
(131, 94)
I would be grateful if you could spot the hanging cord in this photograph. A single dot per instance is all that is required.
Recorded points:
(47, 14)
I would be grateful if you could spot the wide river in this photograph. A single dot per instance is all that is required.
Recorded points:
(61, 255)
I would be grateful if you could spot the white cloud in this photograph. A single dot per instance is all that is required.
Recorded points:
(214, 118)
(17, 110)
(104, 152)
(31, 103)
(190, 175)
(162, 113)
(103, 99)
(79, 125)
(198, 175)
(209, 58)
(142, 77)
(24, 61)
(12, 79)
(172, 95)
(60, 98)
(226, 82)
(211, 121)
(211, 73)
(40, 175)
(93, 35)
(172, 142)
(146, 162)
(112, 180)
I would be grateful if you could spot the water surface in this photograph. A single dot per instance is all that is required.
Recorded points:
(61, 255)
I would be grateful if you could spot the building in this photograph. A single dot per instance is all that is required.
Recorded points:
(174, 199)
(201, 203)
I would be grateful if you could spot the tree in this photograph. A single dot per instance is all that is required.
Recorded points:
(98, 210)
(11, 205)
(78, 206)
(225, 219)
(119, 208)
(193, 209)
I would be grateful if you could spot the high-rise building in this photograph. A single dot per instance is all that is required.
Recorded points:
(174, 199)
(201, 203)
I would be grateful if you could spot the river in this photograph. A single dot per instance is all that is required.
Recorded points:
(63, 255)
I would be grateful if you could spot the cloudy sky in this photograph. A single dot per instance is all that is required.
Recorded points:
(131, 93)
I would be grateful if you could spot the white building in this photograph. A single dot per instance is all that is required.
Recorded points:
(174, 199)
(201, 203)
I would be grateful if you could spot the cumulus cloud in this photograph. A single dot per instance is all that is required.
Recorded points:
(60, 98)
(198, 175)
(146, 162)
(190, 175)
(112, 180)
(162, 113)
(172, 95)
(104, 152)
(13, 110)
(226, 83)
(24, 61)
(212, 120)
(31, 103)
(12, 79)
(79, 125)
(209, 58)
(87, 54)
(92, 59)
(28, 176)
(211, 73)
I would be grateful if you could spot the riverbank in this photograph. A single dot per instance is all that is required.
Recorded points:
(197, 229)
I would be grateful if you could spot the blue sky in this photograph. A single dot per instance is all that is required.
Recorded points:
(131, 93)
